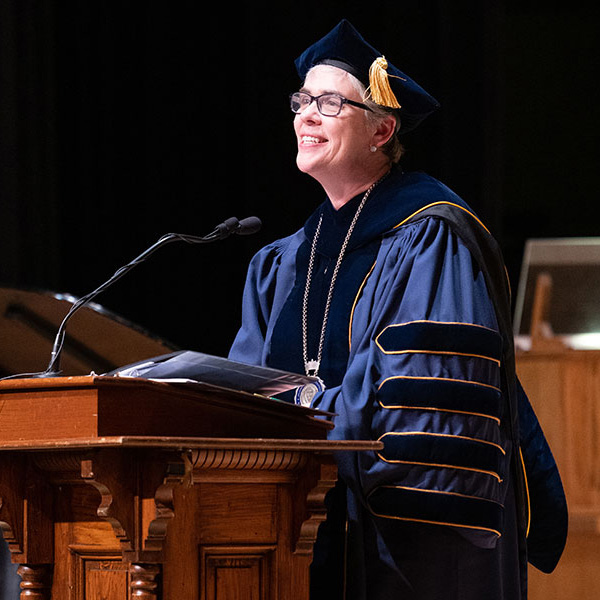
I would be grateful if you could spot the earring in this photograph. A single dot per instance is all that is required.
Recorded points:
(373, 148)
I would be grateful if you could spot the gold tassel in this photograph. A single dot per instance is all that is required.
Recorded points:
(379, 88)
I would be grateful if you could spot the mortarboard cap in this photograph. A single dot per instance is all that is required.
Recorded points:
(345, 48)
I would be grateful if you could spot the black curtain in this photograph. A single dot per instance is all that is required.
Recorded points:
(121, 121)
(29, 213)
(125, 120)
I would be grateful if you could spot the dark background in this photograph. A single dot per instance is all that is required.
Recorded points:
(121, 121)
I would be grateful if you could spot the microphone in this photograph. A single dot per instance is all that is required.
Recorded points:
(246, 226)
(249, 225)
(228, 227)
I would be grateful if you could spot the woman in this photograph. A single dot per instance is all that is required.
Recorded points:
(394, 295)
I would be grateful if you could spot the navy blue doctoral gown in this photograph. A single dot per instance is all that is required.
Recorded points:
(414, 357)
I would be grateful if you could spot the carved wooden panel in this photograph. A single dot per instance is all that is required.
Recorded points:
(237, 572)
(88, 559)
(229, 503)
(98, 574)
(105, 579)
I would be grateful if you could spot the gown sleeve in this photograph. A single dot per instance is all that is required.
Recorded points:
(424, 379)
(270, 277)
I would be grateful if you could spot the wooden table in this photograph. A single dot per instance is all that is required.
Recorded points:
(564, 388)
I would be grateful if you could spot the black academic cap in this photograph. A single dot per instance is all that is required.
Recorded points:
(345, 48)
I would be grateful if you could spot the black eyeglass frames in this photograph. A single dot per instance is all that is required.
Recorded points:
(329, 104)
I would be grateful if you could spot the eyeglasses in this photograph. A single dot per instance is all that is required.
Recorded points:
(329, 105)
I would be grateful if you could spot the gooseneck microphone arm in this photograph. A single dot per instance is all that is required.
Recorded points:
(230, 226)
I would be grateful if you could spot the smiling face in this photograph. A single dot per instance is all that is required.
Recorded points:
(334, 148)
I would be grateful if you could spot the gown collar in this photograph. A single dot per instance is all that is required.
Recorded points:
(392, 201)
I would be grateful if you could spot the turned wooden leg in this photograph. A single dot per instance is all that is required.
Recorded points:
(36, 582)
(144, 584)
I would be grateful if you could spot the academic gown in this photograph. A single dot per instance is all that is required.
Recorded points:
(416, 355)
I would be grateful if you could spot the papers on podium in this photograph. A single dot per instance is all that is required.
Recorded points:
(190, 366)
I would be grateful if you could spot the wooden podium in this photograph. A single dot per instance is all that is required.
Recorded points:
(126, 488)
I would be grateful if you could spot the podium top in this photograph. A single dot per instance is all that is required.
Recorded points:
(45, 410)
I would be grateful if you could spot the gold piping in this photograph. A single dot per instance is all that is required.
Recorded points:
(486, 385)
(445, 435)
(404, 487)
(508, 282)
(437, 523)
(526, 492)
(436, 204)
(442, 352)
(438, 323)
(441, 466)
(469, 213)
(360, 289)
(445, 352)
(437, 409)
